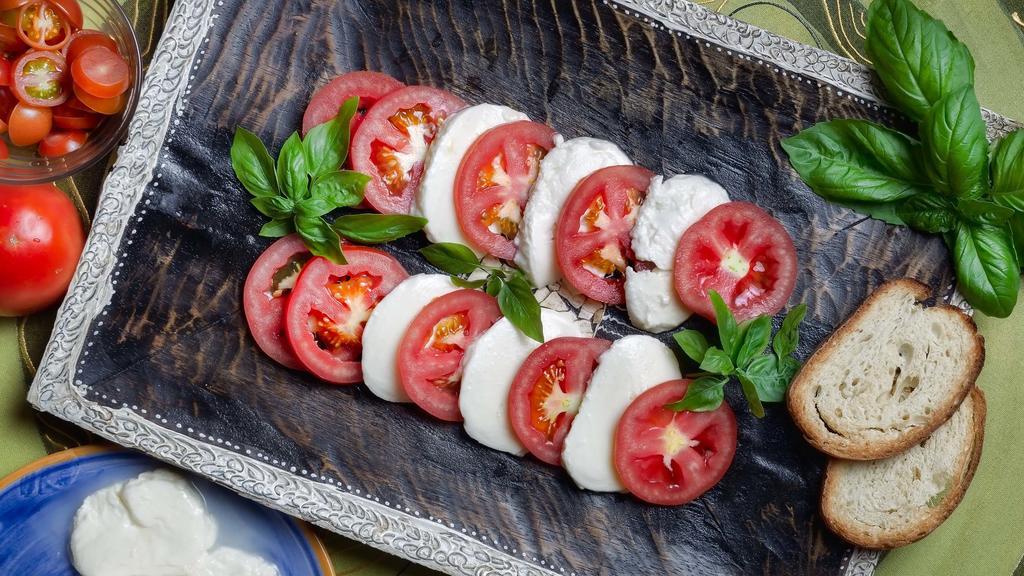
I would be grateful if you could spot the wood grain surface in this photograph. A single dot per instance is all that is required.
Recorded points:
(173, 339)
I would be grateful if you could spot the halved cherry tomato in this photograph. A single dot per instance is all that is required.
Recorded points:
(392, 141)
(494, 180)
(69, 117)
(57, 144)
(43, 26)
(546, 393)
(592, 240)
(105, 106)
(267, 288)
(329, 306)
(430, 354)
(29, 124)
(670, 458)
(742, 253)
(39, 78)
(368, 86)
(82, 40)
(5, 71)
(101, 72)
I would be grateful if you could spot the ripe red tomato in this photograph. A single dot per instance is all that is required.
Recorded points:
(82, 40)
(266, 292)
(742, 253)
(670, 458)
(70, 117)
(29, 124)
(44, 26)
(57, 144)
(71, 10)
(41, 239)
(329, 306)
(546, 393)
(368, 86)
(494, 180)
(38, 78)
(5, 71)
(392, 141)
(592, 239)
(105, 106)
(101, 72)
(430, 354)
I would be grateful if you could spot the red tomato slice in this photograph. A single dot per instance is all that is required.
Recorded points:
(266, 292)
(670, 458)
(592, 237)
(105, 106)
(742, 253)
(430, 354)
(38, 78)
(329, 306)
(368, 86)
(493, 183)
(392, 141)
(69, 117)
(44, 26)
(546, 393)
(57, 144)
(82, 40)
(101, 72)
(29, 124)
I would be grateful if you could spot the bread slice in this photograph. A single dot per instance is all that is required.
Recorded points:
(888, 377)
(898, 500)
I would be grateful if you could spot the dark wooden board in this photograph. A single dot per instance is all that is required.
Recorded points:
(173, 339)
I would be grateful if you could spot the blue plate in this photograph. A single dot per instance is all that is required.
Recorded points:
(38, 504)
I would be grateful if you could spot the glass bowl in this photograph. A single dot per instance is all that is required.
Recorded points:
(26, 167)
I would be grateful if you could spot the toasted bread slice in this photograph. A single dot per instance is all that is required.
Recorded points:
(888, 377)
(898, 500)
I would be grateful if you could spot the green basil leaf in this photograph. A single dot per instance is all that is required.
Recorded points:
(768, 380)
(727, 331)
(955, 147)
(471, 284)
(377, 228)
(291, 168)
(1016, 229)
(277, 228)
(326, 145)
(856, 161)
(757, 336)
(493, 285)
(517, 303)
(928, 213)
(1008, 171)
(692, 343)
(917, 58)
(273, 206)
(717, 362)
(750, 393)
(320, 238)
(885, 211)
(987, 271)
(983, 211)
(702, 395)
(313, 207)
(341, 188)
(787, 339)
(788, 368)
(252, 164)
(452, 257)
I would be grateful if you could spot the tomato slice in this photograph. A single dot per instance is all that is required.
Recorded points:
(82, 40)
(742, 253)
(367, 85)
(57, 144)
(392, 141)
(69, 117)
(670, 458)
(29, 124)
(329, 306)
(493, 183)
(39, 78)
(546, 393)
(592, 240)
(43, 26)
(430, 354)
(101, 72)
(105, 106)
(265, 295)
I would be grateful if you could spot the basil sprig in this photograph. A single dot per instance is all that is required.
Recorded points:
(306, 184)
(940, 181)
(762, 377)
(509, 286)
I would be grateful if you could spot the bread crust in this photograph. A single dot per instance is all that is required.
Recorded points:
(817, 433)
(912, 533)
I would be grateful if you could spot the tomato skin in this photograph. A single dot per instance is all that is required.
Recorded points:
(5, 153)
(29, 124)
(105, 106)
(41, 239)
(56, 144)
(43, 25)
(648, 434)
(10, 42)
(101, 72)
(5, 71)
(369, 86)
(68, 117)
(71, 10)
(25, 74)
(83, 40)
(264, 310)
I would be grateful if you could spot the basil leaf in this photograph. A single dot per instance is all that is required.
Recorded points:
(955, 147)
(313, 207)
(471, 284)
(493, 285)
(252, 164)
(1016, 229)
(757, 336)
(727, 331)
(273, 206)
(277, 228)
(885, 211)
(517, 303)
(987, 271)
(928, 213)
(291, 168)
(768, 381)
(983, 212)
(341, 188)
(452, 257)
(702, 395)
(788, 368)
(377, 228)
(326, 145)
(750, 393)
(717, 362)
(917, 58)
(1008, 171)
(320, 238)
(856, 161)
(787, 339)
(692, 343)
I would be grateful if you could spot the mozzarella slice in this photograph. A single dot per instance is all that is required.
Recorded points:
(435, 198)
(488, 368)
(652, 302)
(386, 327)
(560, 171)
(670, 207)
(631, 366)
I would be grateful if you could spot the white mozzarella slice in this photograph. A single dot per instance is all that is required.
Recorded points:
(670, 207)
(435, 198)
(488, 368)
(652, 302)
(386, 327)
(631, 366)
(560, 171)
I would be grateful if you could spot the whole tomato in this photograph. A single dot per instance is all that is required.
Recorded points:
(41, 239)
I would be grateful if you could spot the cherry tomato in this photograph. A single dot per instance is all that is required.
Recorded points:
(41, 238)
(29, 124)
(101, 72)
(105, 106)
(10, 42)
(368, 86)
(43, 26)
(742, 253)
(430, 354)
(7, 103)
(71, 10)
(57, 144)
(392, 141)
(329, 306)
(5, 71)
(667, 457)
(38, 78)
(82, 40)
(267, 288)
(5, 153)
(68, 117)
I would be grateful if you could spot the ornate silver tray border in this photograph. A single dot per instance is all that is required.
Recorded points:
(361, 518)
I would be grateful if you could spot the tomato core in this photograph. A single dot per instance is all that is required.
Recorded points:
(396, 166)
